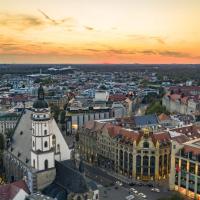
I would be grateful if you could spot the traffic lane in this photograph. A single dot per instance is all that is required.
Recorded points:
(111, 193)
(153, 195)
(99, 176)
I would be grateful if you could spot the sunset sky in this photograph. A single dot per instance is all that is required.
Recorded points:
(99, 31)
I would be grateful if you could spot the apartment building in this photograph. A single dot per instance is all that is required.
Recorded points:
(77, 117)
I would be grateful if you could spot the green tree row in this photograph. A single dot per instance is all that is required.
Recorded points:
(156, 107)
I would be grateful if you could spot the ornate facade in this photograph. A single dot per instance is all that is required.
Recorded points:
(135, 154)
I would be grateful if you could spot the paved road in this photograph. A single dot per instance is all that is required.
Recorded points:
(109, 191)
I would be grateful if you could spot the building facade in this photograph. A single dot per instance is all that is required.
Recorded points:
(8, 122)
(77, 117)
(178, 103)
(35, 145)
(141, 155)
(185, 168)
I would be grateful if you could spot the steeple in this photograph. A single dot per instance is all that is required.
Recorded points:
(40, 93)
(40, 103)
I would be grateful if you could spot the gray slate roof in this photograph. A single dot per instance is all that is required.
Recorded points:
(69, 177)
(146, 120)
(21, 141)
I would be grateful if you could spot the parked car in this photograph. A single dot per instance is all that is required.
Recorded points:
(133, 190)
(130, 197)
(142, 195)
(140, 184)
(131, 184)
(155, 190)
(150, 184)
(119, 183)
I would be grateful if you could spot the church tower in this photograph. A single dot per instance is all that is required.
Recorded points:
(42, 153)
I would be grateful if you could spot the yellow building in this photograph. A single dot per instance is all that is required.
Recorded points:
(140, 155)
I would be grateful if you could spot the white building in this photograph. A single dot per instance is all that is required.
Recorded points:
(36, 144)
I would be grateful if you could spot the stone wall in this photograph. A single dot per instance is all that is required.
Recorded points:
(45, 178)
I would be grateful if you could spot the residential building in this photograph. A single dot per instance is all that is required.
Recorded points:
(179, 103)
(77, 117)
(14, 191)
(8, 122)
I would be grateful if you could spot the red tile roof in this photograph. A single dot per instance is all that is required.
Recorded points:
(192, 131)
(163, 117)
(117, 97)
(9, 191)
(194, 150)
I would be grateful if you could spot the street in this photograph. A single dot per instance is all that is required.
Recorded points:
(109, 190)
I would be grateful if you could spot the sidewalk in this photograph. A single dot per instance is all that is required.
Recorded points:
(117, 176)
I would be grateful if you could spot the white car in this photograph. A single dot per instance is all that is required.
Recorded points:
(130, 197)
(119, 183)
(155, 190)
(142, 195)
(133, 190)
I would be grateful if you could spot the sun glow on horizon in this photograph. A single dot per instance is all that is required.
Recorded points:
(114, 31)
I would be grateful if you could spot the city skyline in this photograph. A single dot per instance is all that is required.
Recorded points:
(129, 31)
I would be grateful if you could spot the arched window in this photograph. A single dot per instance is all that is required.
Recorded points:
(145, 161)
(33, 144)
(138, 160)
(138, 165)
(152, 165)
(145, 145)
(45, 144)
(34, 163)
(145, 165)
(165, 159)
(33, 131)
(46, 164)
(54, 140)
(121, 154)
(45, 132)
(58, 148)
(152, 161)
(125, 160)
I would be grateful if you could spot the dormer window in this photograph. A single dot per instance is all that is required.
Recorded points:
(145, 145)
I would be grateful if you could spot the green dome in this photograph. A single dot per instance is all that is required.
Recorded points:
(40, 102)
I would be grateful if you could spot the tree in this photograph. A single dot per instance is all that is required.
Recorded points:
(173, 197)
(2, 142)
(9, 133)
(56, 111)
(62, 117)
(157, 108)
